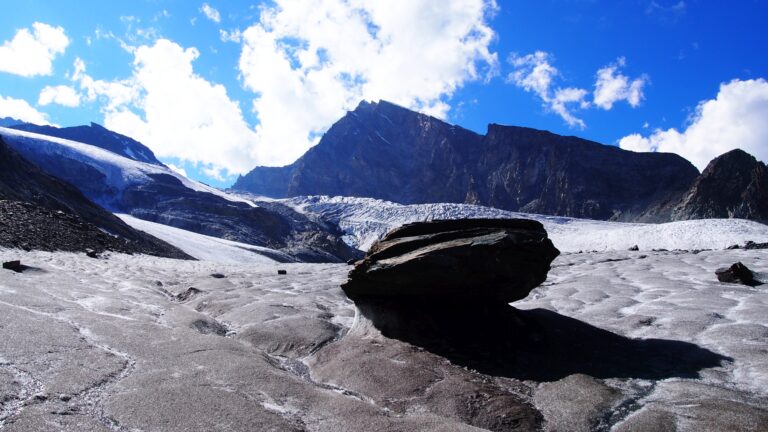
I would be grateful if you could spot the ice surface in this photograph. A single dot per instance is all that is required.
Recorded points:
(364, 220)
(287, 359)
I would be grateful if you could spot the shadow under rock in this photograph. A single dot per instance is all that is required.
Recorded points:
(537, 344)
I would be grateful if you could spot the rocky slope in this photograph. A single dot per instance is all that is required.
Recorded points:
(381, 150)
(38, 211)
(155, 193)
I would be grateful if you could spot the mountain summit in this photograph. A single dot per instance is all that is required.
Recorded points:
(381, 150)
(733, 185)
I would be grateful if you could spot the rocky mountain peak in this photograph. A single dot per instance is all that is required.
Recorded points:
(734, 184)
(382, 150)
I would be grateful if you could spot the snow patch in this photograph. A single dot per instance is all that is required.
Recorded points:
(206, 248)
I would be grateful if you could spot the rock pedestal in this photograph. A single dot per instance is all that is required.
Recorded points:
(455, 261)
(445, 286)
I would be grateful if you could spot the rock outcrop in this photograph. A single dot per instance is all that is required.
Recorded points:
(381, 150)
(737, 273)
(480, 261)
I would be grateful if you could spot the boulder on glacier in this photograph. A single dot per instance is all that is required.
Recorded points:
(467, 260)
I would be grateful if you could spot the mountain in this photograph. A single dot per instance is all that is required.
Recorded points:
(9, 122)
(157, 194)
(381, 150)
(40, 211)
(733, 185)
(96, 135)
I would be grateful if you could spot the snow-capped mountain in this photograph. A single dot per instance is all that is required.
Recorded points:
(96, 135)
(364, 220)
(39, 211)
(158, 194)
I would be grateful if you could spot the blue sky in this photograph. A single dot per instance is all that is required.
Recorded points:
(217, 87)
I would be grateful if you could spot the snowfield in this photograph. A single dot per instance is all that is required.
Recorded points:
(126, 343)
(207, 248)
(364, 220)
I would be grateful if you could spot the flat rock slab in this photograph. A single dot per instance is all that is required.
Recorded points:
(478, 260)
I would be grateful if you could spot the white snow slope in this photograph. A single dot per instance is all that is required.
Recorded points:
(364, 220)
(120, 172)
(206, 248)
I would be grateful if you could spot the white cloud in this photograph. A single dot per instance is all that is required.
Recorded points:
(211, 13)
(114, 94)
(612, 86)
(736, 118)
(174, 111)
(230, 36)
(566, 96)
(534, 73)
(61, 95)
(215, 173)
(31, 53)
(308, 61)
(21, 110)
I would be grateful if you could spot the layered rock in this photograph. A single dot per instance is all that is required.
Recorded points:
(471, 260)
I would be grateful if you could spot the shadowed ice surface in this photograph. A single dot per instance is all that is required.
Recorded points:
(536, 344)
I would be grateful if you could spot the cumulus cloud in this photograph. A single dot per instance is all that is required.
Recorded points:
(113, 94)
(21, 110)
(174, 111)
(305, 62)
(210, 13)
(61, 95)
(736, 118)
(308, 61)
(612, 86)
(534, 73)
(31, 53)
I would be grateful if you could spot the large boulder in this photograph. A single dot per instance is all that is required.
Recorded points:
(448, 261)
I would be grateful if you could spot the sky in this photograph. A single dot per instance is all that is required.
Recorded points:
(216, 88)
